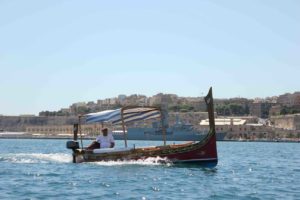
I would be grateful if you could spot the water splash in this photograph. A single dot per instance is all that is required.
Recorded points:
(147, 161)
(36, 158)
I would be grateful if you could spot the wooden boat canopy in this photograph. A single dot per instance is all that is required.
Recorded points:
(126, 115)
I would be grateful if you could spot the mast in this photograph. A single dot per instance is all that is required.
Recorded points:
(123, 127)
(162, 118)
(79, 124)
(75, 132)
(75, 137)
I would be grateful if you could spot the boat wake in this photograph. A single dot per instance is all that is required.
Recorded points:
(36, 158)
(148, 161)
(67, 158)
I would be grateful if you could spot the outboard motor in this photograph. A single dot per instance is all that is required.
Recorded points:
(72, 145)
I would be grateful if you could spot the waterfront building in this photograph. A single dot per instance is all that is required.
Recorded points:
(289, 99)
(260, 109)
(65, 111)
(100, 102)
(275, 110)
(121, 99)
(236, 128)
(289, 122)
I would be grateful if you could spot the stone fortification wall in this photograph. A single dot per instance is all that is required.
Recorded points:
(19, 123)
(291, 122)
(297, 122)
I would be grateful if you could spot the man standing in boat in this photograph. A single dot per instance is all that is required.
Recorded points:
(103, 141)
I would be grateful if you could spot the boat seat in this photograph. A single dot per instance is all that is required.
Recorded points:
(108, 150)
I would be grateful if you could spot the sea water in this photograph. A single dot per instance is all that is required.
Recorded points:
(43, 169)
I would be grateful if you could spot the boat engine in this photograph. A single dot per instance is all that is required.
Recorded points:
(72, 145)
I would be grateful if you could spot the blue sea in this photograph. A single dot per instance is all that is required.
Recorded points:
(43, 169)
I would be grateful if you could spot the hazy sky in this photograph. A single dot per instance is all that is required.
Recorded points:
(55, 53)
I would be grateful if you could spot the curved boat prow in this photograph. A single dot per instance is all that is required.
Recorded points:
(212, 143)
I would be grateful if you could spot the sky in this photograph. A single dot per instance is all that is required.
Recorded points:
(54, 53)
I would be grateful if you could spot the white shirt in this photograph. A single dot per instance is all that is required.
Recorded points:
(105, 141)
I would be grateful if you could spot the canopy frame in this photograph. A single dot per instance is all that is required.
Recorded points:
(123, 122)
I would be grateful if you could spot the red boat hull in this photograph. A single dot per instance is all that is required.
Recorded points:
(203, 153)
(206, 154)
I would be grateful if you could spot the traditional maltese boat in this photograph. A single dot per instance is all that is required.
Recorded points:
(202, 152)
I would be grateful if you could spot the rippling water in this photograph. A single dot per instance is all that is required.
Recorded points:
(42, 169)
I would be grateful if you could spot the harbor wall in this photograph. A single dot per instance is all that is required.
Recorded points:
(19, 123)
(290, 122)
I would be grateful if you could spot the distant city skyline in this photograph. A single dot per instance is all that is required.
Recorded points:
(116, 97)
(55, 53)
(106, 98)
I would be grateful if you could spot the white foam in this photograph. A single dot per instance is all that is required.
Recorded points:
(67, 158)
(36, 158)
(148, 161)
(57, 157)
